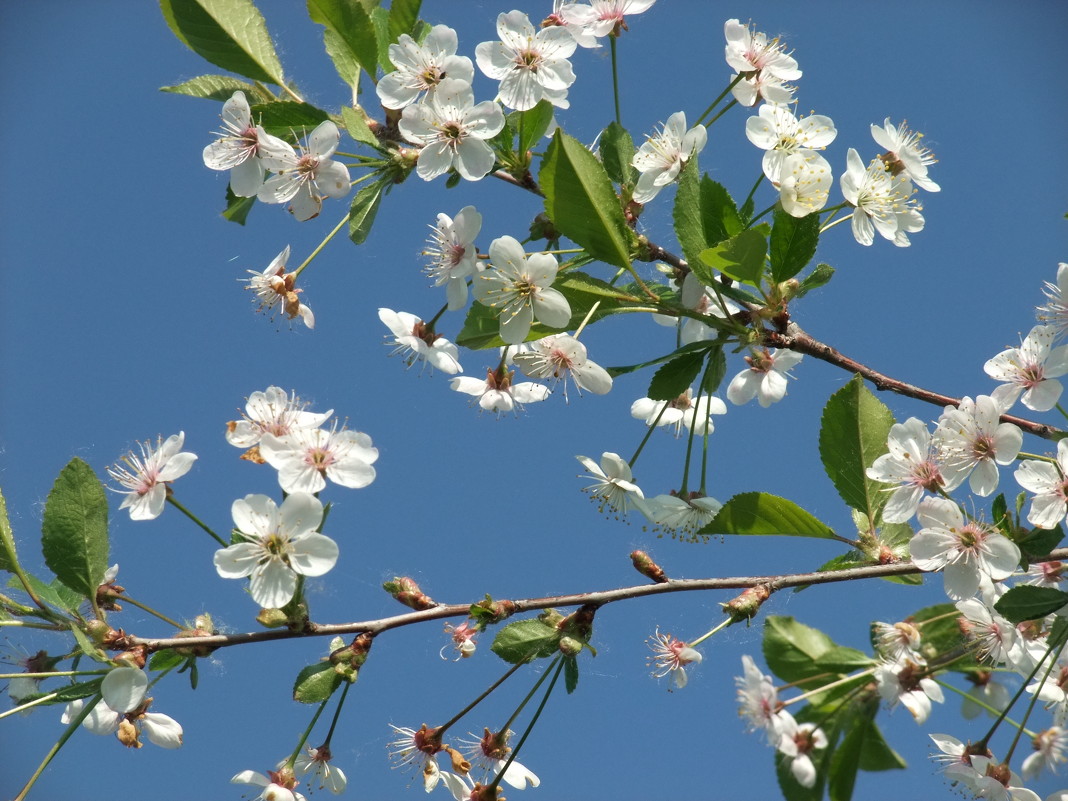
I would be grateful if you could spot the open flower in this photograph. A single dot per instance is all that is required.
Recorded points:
(530, 65)
(613, 483)
(277, 785)
(758, 700)
(145, 477)
(907, 683)
(122, 710)
(670, 657)
(804, 183)
(272, 411)
(1055, 312)
(307, 178)
(1031, 369)
(490, 753)
(696, 415)
(678, 515)
(661, 157)
(603, 17)
(764, 65)
(765, 379)
(274, 286)
(278, 544)
(796, 744)
(914, 462)
(307, 457)
(422, 67)
(780, 134)
(240, 146)
(1050, 486)
(452, 131)
(883, 201)
(417, 342)
(463, 639)
(453, 255)
(904, 153)
(315, 763)
(519, 288)
(498, 393)
(561, 357)
(972, 438)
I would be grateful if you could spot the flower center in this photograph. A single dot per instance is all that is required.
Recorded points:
(528, 60)
(319, 459)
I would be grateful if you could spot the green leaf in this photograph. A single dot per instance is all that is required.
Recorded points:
(1040, 542)
(815, 279)
(704, 215)
(792, 649)
(380, 20)
(532, 124)
(702, 346)
(357, 127)
(715, 371)
(229, 33)
(237, 208)
(70, 692)
(315, 683)
(363, 210)
(675, 377)
(617, 150)
(218, 87)
(8, 558)
(793, 244)
(761, 514)
(403, 15)
(841, 659)
(74, 531)
(286, 118)
(166, 659)
(353, 29)
(1027, 602)
(581, 283)
(525, 640)
(853, 434)
(87, 646)
(876, 754)
(581, 203)
(741, 257)
(571, 673)
(348, 68)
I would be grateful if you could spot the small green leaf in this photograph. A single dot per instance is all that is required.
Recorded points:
(853, 432)
(792, 649)
(582, 283)
(55, 594)
(69, 692)
(229, 33)
(315, 683)
(403, 15)
(617, 151)
(8, 558)
(793, 244)
(525, 640)
(840, 659)
(357, 127)
(237, 208)
(704, 214)
(675, 377)
(348, 68)
(352, 26)
(741, 257)
(761, 514)
(363, 210)
(581, 202)
(218, 87)
(532, 124)
(74, 530)
(166, 659)
(380, 21)
(287, 118)
(876, 754)
(1040, 542)
(571, 673)
(1027, 602)
(715, 371)
(815, 279)
(630, 368)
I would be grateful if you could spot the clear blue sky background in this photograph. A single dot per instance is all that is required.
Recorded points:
(122, 319)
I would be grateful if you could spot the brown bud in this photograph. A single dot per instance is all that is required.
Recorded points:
(644, 564)
(746, 605)
(459, 764)
(406, 591)
(127, 734)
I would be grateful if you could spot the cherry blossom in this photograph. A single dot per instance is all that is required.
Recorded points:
(906, 683)
(530, 65)
(913, 462)
(681, 516)
(758, 701)
(1050, 486)
(804, 183)
(463, 639)
(765, 65)
(995, 638)
(682, 411)
(972, 438)
(490, 753)
(670, 657)
(306, 458)
(896, 641)
(765, 379)
(240, 146)
(277, 785)
(1055, 312)
(453, 255)
(603, 17)
(780, 134)
(582, 36)
(303, 181)
(274, 286)
(613, 483)
(272, 411)
(962, 550)
(989, 781)
(561, 357)
(883, 201)
(422, 67)
(519, 288)
(145, 477)
(277, 544)
(315, 763)
(702, 299)
(1031, 369)
(417, 342)
(122, 710)
(904, 153)
(1051, 750)
(662, 156)
(452, 131)
(796, 743)
(498, 393)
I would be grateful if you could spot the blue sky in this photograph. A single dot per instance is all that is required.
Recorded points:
(123, 319)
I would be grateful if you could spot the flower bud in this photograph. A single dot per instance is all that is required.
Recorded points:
(746, 605)
(569, 646)
(644, 564)
(347, 660)
(406, 591)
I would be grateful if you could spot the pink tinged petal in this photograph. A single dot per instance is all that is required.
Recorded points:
(273, 584)
(148, 506)
(312, 554)
(162, 730)
(239, 560)
(124, 688)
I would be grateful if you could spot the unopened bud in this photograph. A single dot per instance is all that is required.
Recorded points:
(580, 622)
(746, 605)
(406, 591)
(550, 617)
(569, 646)
(488, 612)
(272, 618)
(97, 630)
(644, 564)
(543, 228)
(347, 660)
(203, 627)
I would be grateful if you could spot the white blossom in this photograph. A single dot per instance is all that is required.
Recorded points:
(422, 67)
(613, 481)
(696, 415)
(272, 411)
(240, 146)
(904, 153)
(274, 287)
(973, 440)
(662, 156)
(303, 181)
(560, 358)
(882, 201)
(498, 393)
(530, 65)
(145, 477)
(453, 255)
(1031, 369)
(417, 342)
(780, 134)
(1050, 486)
(765, 378)
(306, 458)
